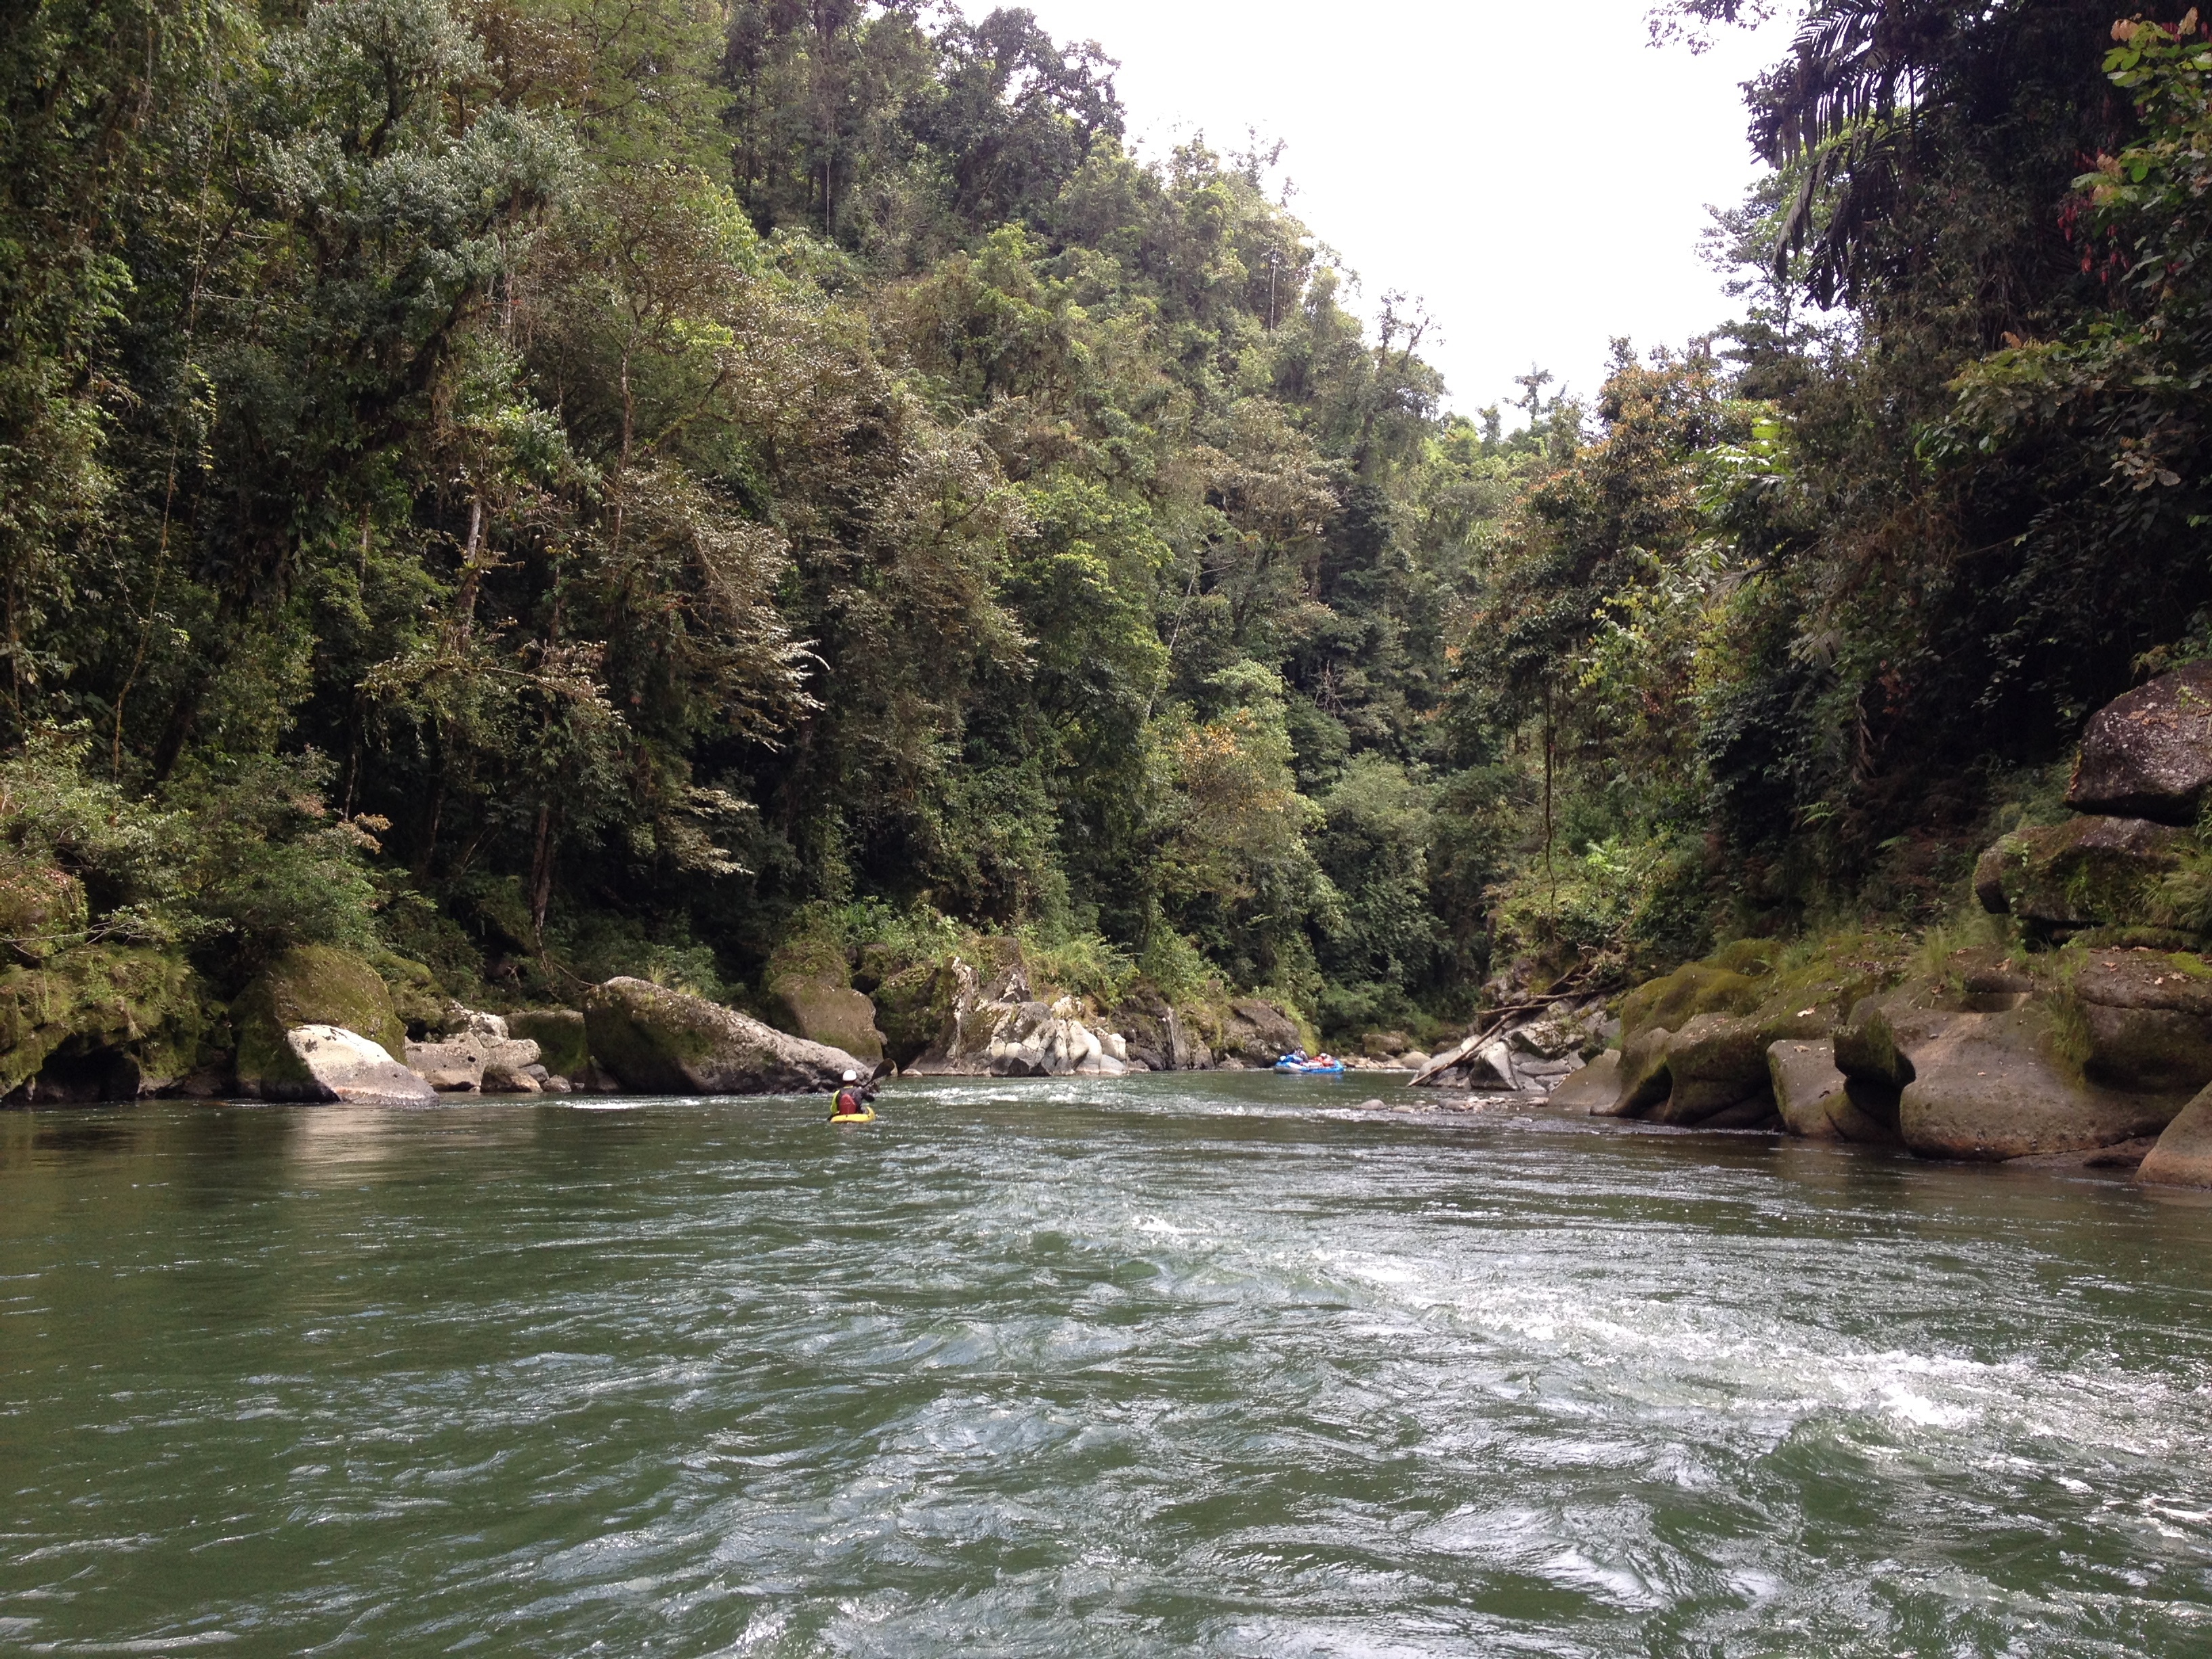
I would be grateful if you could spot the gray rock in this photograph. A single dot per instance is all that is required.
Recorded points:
(1985, 1088)
(1258, 1033)
(559, 1034)
(464, 1064)
(456, 1066)
(2148, 754)
(824, 1011)
(1592, 1091)
(655, 1041)
(1805, 1084)
(345, 1067)
(1548, 1039)
(2149, 1020)
(1645, 1082)
(1716, 1065)
(2183, 1156)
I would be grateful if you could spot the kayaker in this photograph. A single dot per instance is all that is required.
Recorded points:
(851, 1098)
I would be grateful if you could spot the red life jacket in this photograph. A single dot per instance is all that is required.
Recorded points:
(849, 1102)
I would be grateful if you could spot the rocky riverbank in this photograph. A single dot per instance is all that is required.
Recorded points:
(322, 1024)
(2076, 1028)
(2079, 1031)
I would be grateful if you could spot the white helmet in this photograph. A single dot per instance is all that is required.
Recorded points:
(852, 1077)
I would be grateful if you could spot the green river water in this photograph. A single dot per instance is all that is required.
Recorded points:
(1171, 1365)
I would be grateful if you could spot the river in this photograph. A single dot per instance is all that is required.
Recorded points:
(1169, 1365)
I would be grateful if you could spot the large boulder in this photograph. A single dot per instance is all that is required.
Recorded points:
(1817, 1101)
(1715, 1061)
(1645, 1082)
(1258, 1033)
(1976, 1081)
(559, 1034)
(2148, 754)
(480, 1059)
(2183, 1157)
(1873, 1045)
(1806, 1082)
(1001, 1031)
(308, 984)
(1717, 1067)
(968, 1021)
(1038, 1041)
(1592, 1091)
(2147, 1017)
(656, 1041)
(1157, 1036)
(2061, 878)
(331, 1064)
(913, 1005)
(1990, 1087)
(826, 1010)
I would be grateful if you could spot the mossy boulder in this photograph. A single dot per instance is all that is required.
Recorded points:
(1257, 1033)
(1873, 1045)
(1682, 996)
(1986, 1061)
(1645, 1082)
(1157, 1034)
(101, 1022)
(1971, 1055)
(559, 1034)
(2146, 1019)
(826, 1009)
(655, 1041)
(308, 984)
(913, 1008)
(417, 999)
(1805, 1081)
(1715, 1063)
(1724, 1014)
(1992, 1087)
(2086, 873)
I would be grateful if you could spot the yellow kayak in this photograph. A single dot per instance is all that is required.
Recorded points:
(853, 1117)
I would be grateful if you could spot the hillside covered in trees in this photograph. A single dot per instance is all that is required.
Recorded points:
(530, 490)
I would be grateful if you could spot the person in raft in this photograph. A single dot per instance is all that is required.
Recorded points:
(851, 1098)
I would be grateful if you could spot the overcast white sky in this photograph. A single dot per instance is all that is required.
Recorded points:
(1536, 173)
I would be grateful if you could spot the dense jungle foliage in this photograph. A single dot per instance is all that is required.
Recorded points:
(551, 488)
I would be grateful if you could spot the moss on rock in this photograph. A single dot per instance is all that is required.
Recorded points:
(823, 1009)
(309, 985)
(657, 1041)
(559, 1034)
(1682, 995)
(101, 1021)
(2086, 873)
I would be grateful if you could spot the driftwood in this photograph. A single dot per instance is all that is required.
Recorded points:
(1479, 1040)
